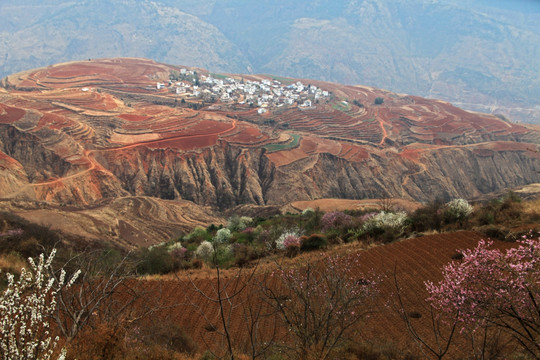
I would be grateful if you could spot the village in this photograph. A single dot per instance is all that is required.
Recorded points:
(264, 95)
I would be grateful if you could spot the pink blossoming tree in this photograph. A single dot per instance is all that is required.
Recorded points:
(492, 288)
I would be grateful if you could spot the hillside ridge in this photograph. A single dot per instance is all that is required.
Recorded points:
(79, 132)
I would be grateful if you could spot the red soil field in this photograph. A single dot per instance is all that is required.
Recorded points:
(51, 119)
(415, 260)
(246, 135)
(134, 117)
(353, 152)
(9, 115)
(312, 145)
(185, 144)
(282, 158)
(107, 71)
(411, 154)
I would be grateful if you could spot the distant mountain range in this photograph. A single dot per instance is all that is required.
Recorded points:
(481, 55)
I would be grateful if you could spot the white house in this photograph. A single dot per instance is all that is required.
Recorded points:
(306, 103)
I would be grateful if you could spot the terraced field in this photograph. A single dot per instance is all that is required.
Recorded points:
(84, 131)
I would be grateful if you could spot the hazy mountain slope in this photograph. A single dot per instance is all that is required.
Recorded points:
(94, 29)
(472, 55)
(482, 55)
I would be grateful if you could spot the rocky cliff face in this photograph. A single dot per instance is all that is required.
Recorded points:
(441, 175)
(226, 176)
(222, 176)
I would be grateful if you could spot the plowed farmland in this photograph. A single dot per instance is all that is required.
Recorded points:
(414, 262)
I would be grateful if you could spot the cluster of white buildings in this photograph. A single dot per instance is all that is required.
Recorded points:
(263, 94)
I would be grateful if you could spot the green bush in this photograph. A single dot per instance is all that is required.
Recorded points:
(197, 235)
(156, 260)
(313, 222)
(378, 100)
(426, 218)
(224, 256)
(313, 242)
(244, 254)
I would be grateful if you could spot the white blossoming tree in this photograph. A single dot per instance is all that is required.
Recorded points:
(458, 209)
(26, 306)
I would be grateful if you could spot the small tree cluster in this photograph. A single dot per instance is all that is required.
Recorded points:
(292, 241)
(177, 251)
(205, 250)
(287, 239)
(239, 223)
(222, 236)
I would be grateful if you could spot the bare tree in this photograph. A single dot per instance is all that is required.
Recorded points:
(442, 331)
(260, 324)
(236, 296)
(387, 205)
(320, 303)
(106, 291)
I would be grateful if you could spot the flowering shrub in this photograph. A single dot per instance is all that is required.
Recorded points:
(222, 236)
(177, 251)
(367, 216)
(292, 241)
(458, 209)
(26, 306)
(249, 230)
(491, 288)
(238, 223)
(205, 250)
(332, 220)
(385, 221)
(286, 238)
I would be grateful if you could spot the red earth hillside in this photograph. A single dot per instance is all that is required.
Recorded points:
(101, 129)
